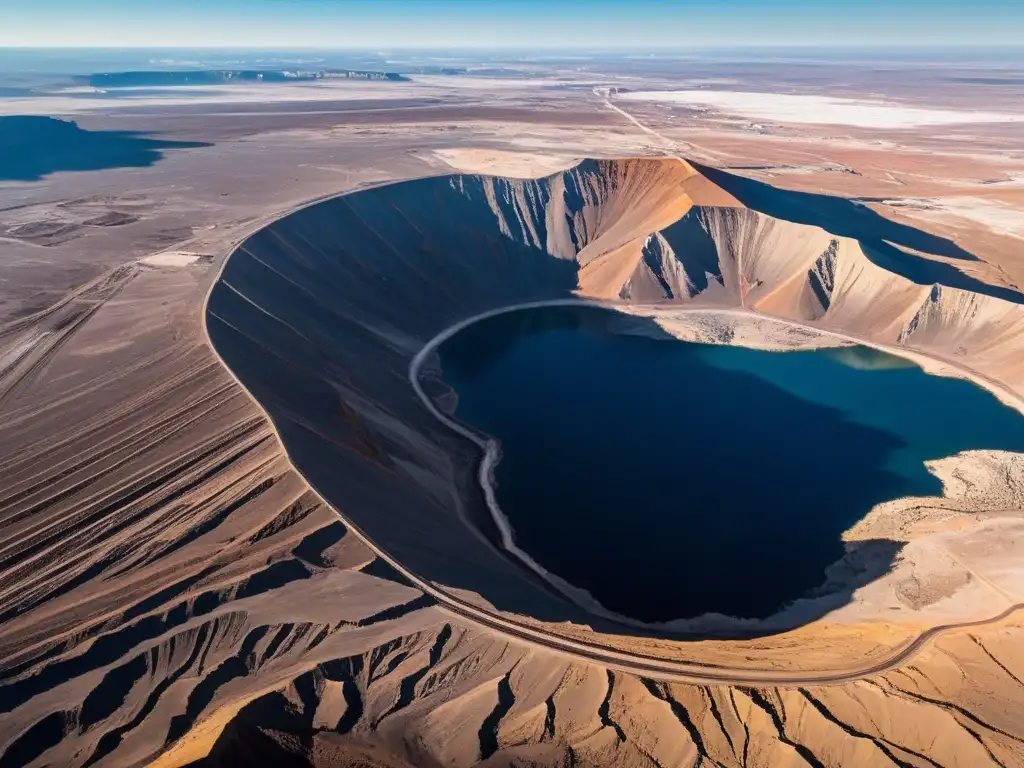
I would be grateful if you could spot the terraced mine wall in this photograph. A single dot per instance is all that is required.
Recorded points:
(320, 314)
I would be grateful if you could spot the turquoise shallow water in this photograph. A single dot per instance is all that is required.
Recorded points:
(672, 479)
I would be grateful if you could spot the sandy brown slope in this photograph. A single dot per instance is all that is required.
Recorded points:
(155, 545)
(175, 593)
(454, 697)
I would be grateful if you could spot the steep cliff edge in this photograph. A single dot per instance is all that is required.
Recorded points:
(320, 314)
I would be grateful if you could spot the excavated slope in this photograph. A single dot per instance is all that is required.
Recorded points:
(320, 314)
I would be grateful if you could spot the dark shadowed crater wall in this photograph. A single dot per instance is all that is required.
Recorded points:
(320, 314)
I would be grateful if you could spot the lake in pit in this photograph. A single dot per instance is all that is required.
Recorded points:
(671, 479)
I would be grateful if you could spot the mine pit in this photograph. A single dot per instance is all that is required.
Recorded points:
(741, 434)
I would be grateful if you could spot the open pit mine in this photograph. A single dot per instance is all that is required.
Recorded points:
(329, 318)
(371, 605)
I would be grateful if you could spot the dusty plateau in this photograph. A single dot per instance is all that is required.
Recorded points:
(234, 530)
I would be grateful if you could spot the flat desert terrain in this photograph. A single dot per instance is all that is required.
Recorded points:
(239, 525)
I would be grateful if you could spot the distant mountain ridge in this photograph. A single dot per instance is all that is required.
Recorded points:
(146, 78)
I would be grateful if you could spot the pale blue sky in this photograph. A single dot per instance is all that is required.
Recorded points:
(509, 23)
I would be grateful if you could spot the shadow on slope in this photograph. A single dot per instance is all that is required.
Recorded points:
(884, 239)
(36, 146)
(320, 314)
(269, 731)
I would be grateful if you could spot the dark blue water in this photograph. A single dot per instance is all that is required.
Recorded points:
(672, 479)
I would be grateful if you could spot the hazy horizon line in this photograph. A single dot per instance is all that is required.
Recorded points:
(537, 47)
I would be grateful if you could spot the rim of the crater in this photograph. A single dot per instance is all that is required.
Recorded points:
(594, 652)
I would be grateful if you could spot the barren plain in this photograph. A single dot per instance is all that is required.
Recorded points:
(239, 528)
